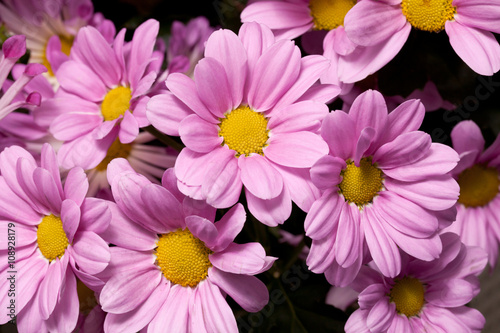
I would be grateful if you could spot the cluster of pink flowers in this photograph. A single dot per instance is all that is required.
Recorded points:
(129, 169)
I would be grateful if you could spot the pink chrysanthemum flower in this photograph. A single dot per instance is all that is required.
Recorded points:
(250, 118)
(425, 296)
(172, 265)
(478, 174)
(386, 24)
(50, 27)
(385, 186)
(55, 227)
(102, 86)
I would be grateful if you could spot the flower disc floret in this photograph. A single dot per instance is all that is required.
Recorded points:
(428, 15)
(361, 184)
(116, 150)
(408, 295)
(478, 185)
(329, 14)
(183, 258)
(116, 102)
(244, 131)
(51, 238)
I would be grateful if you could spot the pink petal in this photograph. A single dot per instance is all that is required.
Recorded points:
(174, 313)
(450, 293)
(248, 291)
(356, 323)
(270, 212)
(369, 110)
(240, 258)
(165, 112)
(365, 140)
(217, 314)
(191, 167)
(91, 253)
(467, 136)
(260, 177)
(202, 229)
(296, 150)
(274, 73)
(225, 47)
(199, 135)
(129, 128)
(380, 316)
(407, 117)
(369, 23)
(70, 216)
(34, 270)
(256, 38)
(213, 86)
(95, 215)
(143, 42)
(301, 116)
(163, 207)
(478, 14)
(78, 79)
(48, 189)
(229, 226)
(479, 49)
(405, 149)
(321, 255)
(76, 185)
(323, 216)
(51, 286)
(116, 167)
(49, 162)
(337, 130)
(349, 235)
(277, 14)
(14, 208)
(71, 126)
(65, 314)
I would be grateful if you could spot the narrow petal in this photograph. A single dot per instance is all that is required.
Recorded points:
(248, 291)
(256, 38)
(199, 135)
(407, 117)
(240, 258)
(129, 128)
(479, 49)
(478, 14)
(369, 110)
(70, 216)
(301, 116)
(405, 149)
(48, 190)
(325, 173)
(165, 112)
(276, 14)
(91, 252)
(467, 136)
(450, 293)
(70, 126)
(174, 313)
(229, 226)
(380, 316)
(296, 150)
(95, 215)
(163, 207)
(76, 185)
(260, 177)
(51, 286)
(143, 42)
(349, 236)
(217, 314)
(337, 130)
(202, 229)
(80, 80)
(323, 217)
(270, 212)
(65, 314)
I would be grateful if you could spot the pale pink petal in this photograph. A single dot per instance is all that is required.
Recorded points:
(479, 14)
(196, 313)
(49, 162)
(184, 88)
(198, 135)
(116, 167)
(246, 258)
(349, 236)
(270, 212)
(80, 80)
(438, 160)
(51, 286)
(323, 216)
(213, 86)
(325, 173)
(467, 136)
(383, 249)
(405, 149)
(369, 110)
(202, 229)
(437, 193)
(321, 255)
(34, 270)
(277, 14)
(71, 126)
(356, 323)
(296, 150)
(23, 234)
(191, 167)
(301, 116)
(129, 128)
(105, 128)
(442, 320)
(380, 316)
(491, 152)
(256, 38)
(143, 42)
(90, 48)
(344, 276)
(274, 73)
(416, 221)
(407, 117)
(200, 208)
(84, 152)
(337, 130)
(70, 216)
(162, 206)
(169, 181)
(248, 291)
(29, 319)
(125, 293)
(399, 324)
(217, 314)
(479, 49)
(142, 315)
(91, 252)
(225, 47)
(95, 215)
(16, 209)
(450, 293)
(65, 314)
(174, 313)
(124, 260)
(365, 140)
(469, 316)
(165, 112)
(364, 61)
(76, 185)
(260, 177)
(229, 226)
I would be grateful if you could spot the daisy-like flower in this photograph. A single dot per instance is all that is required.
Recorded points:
(102, 86)
(55, 228)
(478, 174)
(385, 187)
(147, 159)
(387, 24)
(51, 26)
(251, 118)
(172, 265)
(425, 296)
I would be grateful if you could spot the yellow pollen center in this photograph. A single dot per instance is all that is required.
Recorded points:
(66, 44)
(361, 184)
(116, 150)
(329, 14)
(244, 131)
(116, 102)
(408, 295)
(51, 238)
(183, 258)
(428, 15)
(478, 185)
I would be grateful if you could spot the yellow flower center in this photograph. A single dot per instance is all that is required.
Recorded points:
(244, 131)
(116, 102)
(478, 185)
(361, 184)
(329, 14)
(51, 238)
(66, 44)
(183, 258)
(86, 297)
(408, 295)
(428, 15)
(116, 150)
